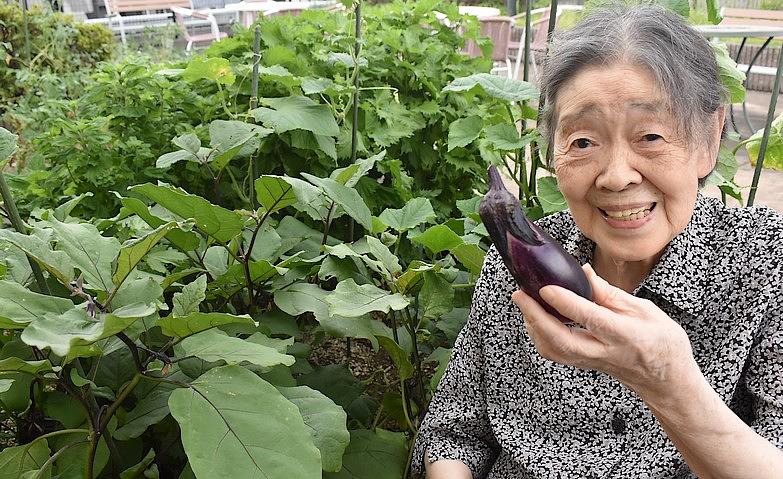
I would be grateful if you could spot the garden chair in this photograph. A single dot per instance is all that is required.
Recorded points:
(498, 29)
(181, 14)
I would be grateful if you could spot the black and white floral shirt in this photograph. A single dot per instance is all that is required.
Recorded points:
(508, 413)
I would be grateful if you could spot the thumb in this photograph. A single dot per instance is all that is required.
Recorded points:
(604, 293)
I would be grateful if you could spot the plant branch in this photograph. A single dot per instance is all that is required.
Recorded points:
(133, 349)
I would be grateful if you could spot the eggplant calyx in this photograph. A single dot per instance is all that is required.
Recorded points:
(515, 220)
(519, 227)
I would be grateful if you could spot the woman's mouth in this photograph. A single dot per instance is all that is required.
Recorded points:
(629, 218)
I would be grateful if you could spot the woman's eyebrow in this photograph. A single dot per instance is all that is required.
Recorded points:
(647, 106)
(588, 110)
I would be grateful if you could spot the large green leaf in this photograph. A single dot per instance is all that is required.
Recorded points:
(57, 263)
(496, 86)
(549, 195)
(351, 300)
(296, 113)
(75, 327)
(309, 198)
(415, 212)
(234, 139)
(235, 424)
(16, 460)
(133, 251)
(326, 421)
(504, 136)
(188, 300)
(470, 255)
(374, 246)
(358, 327)
(89, 251)
(196, 322)
(463, 131)
(211, 345)
(19, 306)
(274, 193)
(348, 198)
(732, 78)
(184, 240)
(217, 222)
(399, 357)
(350, 175)
(303, 297)
(375, 454)
(438, 238)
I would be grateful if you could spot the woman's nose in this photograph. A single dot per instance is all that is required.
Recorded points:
(618, 171)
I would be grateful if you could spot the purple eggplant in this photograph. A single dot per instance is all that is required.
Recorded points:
(533, 257)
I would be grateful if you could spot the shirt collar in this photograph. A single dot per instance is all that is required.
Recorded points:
(682, 268)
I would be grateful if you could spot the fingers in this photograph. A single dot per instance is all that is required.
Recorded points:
(606, 294)
(595, 318)
(553, 340)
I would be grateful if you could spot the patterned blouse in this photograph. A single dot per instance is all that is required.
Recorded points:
(508, 413)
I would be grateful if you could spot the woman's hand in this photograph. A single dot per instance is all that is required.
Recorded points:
(624, 336)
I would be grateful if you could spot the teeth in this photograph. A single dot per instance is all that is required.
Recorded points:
(628, 215)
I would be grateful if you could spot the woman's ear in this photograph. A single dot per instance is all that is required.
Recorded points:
(707, 162)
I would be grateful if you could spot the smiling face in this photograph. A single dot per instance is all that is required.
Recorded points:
(630, 177)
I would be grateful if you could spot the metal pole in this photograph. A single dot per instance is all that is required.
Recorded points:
(26, 31)
(765, 137)
(528, 34)
(357, 50)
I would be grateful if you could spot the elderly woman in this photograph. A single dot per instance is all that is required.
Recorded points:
(676, 367)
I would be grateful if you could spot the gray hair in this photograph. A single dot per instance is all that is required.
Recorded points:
(680, 59)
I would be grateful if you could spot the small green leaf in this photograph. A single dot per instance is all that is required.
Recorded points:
(14, 364)
(133, 251)
(211, 345)
(7, 146)
(504, 136)
(462, 132)
(188, 142)
(415, 212)
(184, 240)
(438, 238)
(732, 78)
(350, 175)
(496, 86)
(550, 196)
(351, 300)
(773, 157)
(470, 255)
(436, 297)
(168, 159)
(16, 460)
(5, 385)
(57, 263)
(235, 424)
(274, 193)
(213, 69)
(196, 322)
(141, 470)
(348, 198)
(188, 300)
(713, 11)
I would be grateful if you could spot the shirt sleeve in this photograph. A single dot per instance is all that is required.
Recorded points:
(456, 425)
(764, 375)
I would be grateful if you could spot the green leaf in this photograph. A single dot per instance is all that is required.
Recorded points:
(151, 408)
(348, 198)
(19, 306)
(211, 345)
(496, 86)
(725, 169)
(550, 196)
(213, 69)
(140, 470)
(336, 382)
(189, 142)
(374, 246)
(188, 300)
(274, 193)
(436, 297)
(16, 460)
(167, 159)
(462, 132)
(415, 212)
(438, 238)
(470, 255)
(326, 422)
(303, 297)
(217, 222)
(7, 146)
(296, 113)
(75, 327)
(398, 355)
(343, 327)
(350, 175)
(442, 357)
(57, 263)
(504, 136)
(5, 385)
(231, 138)
(235, 424)
(133, 251)
(184, 240)
(311, 86)
(713, 11)
(196, 322)
(351, 300)
(773, 157)
(375, 454)
(92, 253)
(309, 198)
(732, 78)
(14, 364)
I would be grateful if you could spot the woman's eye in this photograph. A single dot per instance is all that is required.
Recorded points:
(582, 143)
(652, 137)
